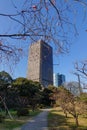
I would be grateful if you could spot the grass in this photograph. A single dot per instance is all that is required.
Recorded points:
(57, 121)
(9, 124)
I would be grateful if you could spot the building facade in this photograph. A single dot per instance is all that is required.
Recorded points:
(40, 63)
(58, 79)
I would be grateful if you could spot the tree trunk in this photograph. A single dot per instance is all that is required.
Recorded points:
(76, 119)
(65, 114)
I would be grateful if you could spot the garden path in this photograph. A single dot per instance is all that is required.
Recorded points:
(37, 123)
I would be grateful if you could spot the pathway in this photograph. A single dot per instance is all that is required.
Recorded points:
(37, 123)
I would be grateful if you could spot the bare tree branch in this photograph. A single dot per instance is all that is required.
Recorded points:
(81, 67)
(50, 20)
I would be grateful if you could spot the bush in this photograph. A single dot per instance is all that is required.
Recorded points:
(1, 118)
(41, 106)
(22, 112)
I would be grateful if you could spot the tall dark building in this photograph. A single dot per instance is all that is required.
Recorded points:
(40, 63)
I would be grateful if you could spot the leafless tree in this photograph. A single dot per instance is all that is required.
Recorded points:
(70, 104)
(79, 82)
(50, 20)
(81, 72)
(9, 52)
(81, 67)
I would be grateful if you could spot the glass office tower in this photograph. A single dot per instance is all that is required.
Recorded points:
(58, 79)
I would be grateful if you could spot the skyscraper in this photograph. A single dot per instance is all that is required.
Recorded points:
(40, 63)
(58, 79)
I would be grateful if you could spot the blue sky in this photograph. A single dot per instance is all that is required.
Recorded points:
(77, 52)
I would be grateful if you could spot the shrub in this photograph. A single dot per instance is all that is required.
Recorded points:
(41, 106)
(1, 118)
(22, 112)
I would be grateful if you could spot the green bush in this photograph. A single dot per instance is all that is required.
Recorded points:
(22, 112)
(1, 118)
(41, 106)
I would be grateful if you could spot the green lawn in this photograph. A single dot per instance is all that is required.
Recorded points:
(9, 124)
(57, 121)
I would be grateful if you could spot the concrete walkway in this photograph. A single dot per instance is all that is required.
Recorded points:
(37, 123)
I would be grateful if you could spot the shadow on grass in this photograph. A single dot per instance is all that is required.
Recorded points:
(10, 124)
(60, 122)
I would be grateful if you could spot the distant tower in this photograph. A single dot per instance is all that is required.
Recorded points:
(40, 63)
(61, 79)
(58, 79)
(55, 80)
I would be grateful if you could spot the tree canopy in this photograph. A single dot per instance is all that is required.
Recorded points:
(5, 76)
(5, 80)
